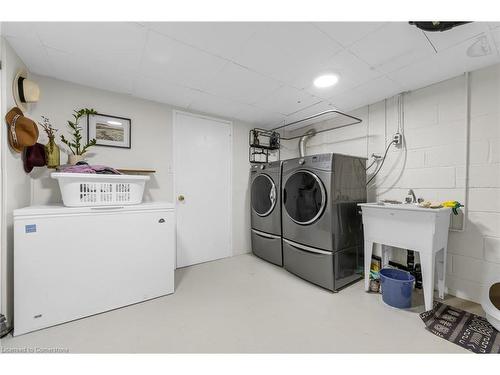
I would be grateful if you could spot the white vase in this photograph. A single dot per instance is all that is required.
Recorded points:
(73, 159)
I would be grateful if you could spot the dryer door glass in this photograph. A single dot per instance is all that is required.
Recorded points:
(304, 197)
(263, 195)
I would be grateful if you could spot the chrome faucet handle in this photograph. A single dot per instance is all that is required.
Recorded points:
(412, 193)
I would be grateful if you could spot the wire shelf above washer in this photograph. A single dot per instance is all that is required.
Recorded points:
(335, 120)
(264, 145)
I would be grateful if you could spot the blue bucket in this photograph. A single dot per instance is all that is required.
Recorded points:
(397, 287)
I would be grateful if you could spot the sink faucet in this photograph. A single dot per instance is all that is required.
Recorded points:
(413, 197)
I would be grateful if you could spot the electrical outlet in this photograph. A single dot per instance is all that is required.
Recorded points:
(397, 139)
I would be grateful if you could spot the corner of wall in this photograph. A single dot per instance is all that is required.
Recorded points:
(15, 183)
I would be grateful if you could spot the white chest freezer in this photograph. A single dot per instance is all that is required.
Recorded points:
(74, 262)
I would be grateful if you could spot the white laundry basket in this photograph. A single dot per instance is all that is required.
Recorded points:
(86, 189)
(490, 301)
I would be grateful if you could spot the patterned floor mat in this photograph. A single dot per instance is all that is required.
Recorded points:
(467, 330)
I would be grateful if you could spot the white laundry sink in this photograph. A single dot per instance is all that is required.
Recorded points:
(399, 206)
(412, 227)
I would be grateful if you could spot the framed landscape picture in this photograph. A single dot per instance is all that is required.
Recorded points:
(110, 131)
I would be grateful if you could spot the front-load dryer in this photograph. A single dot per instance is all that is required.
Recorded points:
(265, 202)
(322, 226)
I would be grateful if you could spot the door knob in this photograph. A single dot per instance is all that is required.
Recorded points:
(181, 198)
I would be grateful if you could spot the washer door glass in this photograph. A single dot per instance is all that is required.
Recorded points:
(263, 195)
(304, 197)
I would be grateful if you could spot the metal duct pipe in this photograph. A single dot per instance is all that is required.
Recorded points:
(303, 140)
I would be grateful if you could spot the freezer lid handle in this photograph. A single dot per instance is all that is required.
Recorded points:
(107, 208)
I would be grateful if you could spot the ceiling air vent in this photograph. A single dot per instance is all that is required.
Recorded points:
(437, 25)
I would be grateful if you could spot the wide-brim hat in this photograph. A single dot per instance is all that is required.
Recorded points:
(22, 131)
(24, 90)
(34, 156)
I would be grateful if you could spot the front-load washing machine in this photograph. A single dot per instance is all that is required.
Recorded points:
(322, 226)
(265, 187)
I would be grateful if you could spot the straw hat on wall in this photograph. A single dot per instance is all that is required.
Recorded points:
(24, 90)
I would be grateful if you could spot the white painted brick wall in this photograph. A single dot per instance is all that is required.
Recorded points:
(434, 164)
(479, 152)
(445, 155)
(484, 199)
(485, 86)
(431, 136)
(415, 159)
(443, 177)
(475, 270)
(494, 150)
(486, 175)
(492, 249)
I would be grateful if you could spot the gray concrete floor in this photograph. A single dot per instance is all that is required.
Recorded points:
(243, 304)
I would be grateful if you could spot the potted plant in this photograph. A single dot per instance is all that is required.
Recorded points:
(52, 151)
(74, 144)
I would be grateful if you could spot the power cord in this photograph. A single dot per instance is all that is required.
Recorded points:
(382, 163)
(371, 164)
(375, 157)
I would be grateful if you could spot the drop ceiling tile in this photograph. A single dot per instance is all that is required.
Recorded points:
(261, 56)
(215, 105)
(346, 33)
(89, 72)
(418, 74)
(178, 63)
(20, 29)
(393, 46)
(260, 117)
(220, 38)
(164, 92)
(447, 64)
(284, 50)
(378, 89)
(31, 51)
(240, 84)
(446, 39)
(299, 38)
(386, 60)
(287, 100)
(367, 93)
(349, 100)
(103, 40)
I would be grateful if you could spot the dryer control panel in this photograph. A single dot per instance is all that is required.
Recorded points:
(321, 161)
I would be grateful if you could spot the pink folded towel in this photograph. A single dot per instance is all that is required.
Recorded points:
(85, 168)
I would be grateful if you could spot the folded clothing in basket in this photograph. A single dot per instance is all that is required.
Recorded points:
(86, 168)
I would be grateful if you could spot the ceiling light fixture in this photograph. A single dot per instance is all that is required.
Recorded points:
(479, 48)
(326, 80)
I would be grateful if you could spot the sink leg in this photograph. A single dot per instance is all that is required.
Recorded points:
(441, 271)
(427, 263)
(368, 262)
(386, 255)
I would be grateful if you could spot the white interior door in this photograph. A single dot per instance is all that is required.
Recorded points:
(202, 167)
